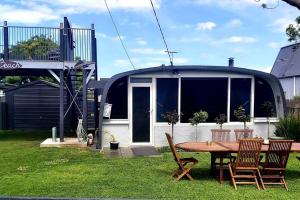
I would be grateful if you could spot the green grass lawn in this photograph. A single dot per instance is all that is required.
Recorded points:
(27, 170)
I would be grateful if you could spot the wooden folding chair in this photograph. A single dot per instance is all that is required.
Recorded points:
(243, 134)
(247, 162)
(182, 163)
(219, 135)
(273, 169)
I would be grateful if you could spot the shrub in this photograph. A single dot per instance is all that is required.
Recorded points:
(288, 127)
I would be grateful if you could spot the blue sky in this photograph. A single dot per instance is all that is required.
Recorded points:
(204, 32)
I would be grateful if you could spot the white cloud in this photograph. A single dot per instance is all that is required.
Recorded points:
(101, 35)
(274, 45)
(281, 24)
(143, 62)
(266, 69)
(38, 11)
(232, 4)
(239, 39)
(234, 23)
(27, 15)
(202, 26)
(80, 6)
(116, 38)
(141, 41)
(148, 51)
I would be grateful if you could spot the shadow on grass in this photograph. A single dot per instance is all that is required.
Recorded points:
(12, 135)
(196, 173)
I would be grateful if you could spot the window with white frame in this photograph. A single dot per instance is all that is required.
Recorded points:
(166, 96)
(240, 95)
(207, 94)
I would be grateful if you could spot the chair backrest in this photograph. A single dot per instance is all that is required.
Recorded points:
(278, 153)
(220, 135)
(248, 153)
(243, 134)
(172, 147)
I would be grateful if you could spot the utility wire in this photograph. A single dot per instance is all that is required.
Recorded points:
(162, 34)
(119, 36)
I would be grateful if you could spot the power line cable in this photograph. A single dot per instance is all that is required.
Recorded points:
(162, 34)
(119, 36)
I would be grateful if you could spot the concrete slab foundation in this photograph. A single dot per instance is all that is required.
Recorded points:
(69, 142)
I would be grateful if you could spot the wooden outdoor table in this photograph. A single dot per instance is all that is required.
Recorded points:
(222, 147)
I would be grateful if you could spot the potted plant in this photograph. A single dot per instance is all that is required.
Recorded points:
(221, 120)
(114, 144)
(172, 117)
(198, 117)
(267, 106)
(240, 114)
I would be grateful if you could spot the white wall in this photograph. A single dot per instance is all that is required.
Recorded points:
(182, 132)
(288, 87)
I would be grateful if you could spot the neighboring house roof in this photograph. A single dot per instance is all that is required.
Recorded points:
(287, 63)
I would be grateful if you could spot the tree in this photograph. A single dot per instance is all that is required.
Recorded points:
(294, 3)
(293, 32)
(221, 120)
(199, 117)
(240, 114)
(36, 47)
(172, 117)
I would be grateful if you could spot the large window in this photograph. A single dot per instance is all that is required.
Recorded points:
(208, 94)
(117, 96)
(263, 93)
(240, 95)
(167, 96)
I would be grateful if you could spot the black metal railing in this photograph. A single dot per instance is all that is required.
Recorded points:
(46, 43)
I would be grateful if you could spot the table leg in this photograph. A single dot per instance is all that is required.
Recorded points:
(221, 170)
(212, 163)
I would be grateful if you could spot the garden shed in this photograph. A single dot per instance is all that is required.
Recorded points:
(140, 97)
(35, 105)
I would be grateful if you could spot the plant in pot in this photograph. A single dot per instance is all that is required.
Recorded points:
(172, 117)
(198, 117)
(221, 120)
(268, 108)
(240, 114)
(114, 144)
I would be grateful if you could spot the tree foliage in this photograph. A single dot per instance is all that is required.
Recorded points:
(172, 117)
(240, 114)
(293, 31)
(36, 47)
(221, 120)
